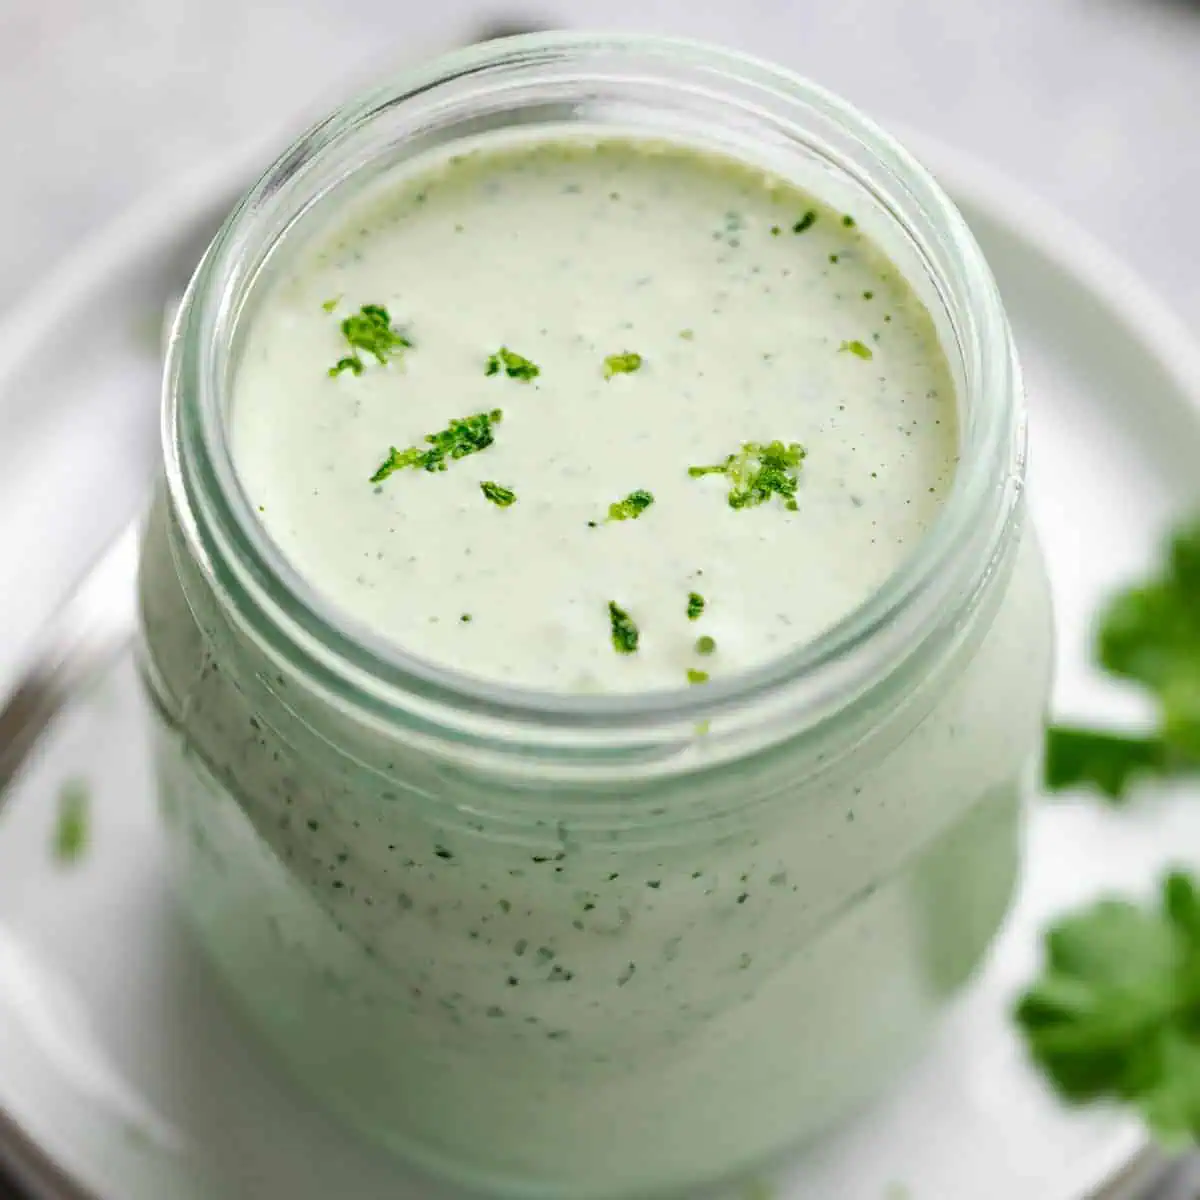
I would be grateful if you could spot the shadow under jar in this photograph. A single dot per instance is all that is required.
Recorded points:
(549, 943)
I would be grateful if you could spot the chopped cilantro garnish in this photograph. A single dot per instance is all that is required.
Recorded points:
(631, 507)
(498, 494)
(695, 606)
(705, 645)
(806, 222)
(465, 618)
(776, 230)
(1116, 1012)
(622, 364)
(515, 366)
(71, 828)
(330, 305)
(860, 349)
(370, 330)
(457, 440)
(1149, 634)
(849, 221)
(759, 471)
(695, 676)
(624, 631)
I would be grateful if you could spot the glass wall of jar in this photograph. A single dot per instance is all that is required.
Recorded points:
(595, 946)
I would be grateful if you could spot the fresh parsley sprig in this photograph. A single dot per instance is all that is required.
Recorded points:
(1116, 1013)
(1149, 635)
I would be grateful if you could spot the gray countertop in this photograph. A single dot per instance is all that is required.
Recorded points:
(1093, 104)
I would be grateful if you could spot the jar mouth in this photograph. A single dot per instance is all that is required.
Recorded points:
(638, 85)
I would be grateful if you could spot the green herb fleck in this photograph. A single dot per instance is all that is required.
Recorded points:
(1116, 1012)
(695, 676)
(71, 828)
(776, 230)
(759, 471)
(457, 440)
(622, 364)
(1150, 635)
(370, 330)
(465, 618)
(631, 507)
(857, 348)
(688, 335)
(849, 221)
(806, 222)
(705, 645)
(515, 366)
(624, 631)
(695, 606)
(499, 495)
(330, 305)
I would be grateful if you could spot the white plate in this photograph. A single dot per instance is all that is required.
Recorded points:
(123, 1075)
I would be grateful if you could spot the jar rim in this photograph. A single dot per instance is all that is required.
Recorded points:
(793, 693)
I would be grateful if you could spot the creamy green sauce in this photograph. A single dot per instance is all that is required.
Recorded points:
(584, 991)
(626, 311)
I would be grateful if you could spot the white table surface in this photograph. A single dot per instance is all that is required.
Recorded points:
(1093, 104)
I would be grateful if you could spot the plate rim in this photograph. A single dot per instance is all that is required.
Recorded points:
(141, 231)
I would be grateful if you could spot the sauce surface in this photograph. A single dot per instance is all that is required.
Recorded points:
(676, 305)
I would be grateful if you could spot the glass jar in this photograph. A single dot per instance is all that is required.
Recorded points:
(598, 946)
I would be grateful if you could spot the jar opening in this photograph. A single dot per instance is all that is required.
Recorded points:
(552, 85)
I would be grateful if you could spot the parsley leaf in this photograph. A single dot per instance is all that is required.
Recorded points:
(1116, 1013)
(499, 495)
(631, 507)
(370, 330)
(705, 644)
(857, 348)
(695, 606)
(1107, 761)
(622, 364)
(624, 632)
(694, 676)
(1150, 635)
(71, 828)
(460, 438)
(515, 366)
(759, 471)
(806, 222)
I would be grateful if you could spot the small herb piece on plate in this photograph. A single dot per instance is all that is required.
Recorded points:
(624, 631)
(71, 827)
(857, 348)
(622, 364)
(330, 305)
(695, 676)
(498, 494)
(460, 438)
(515, 366)
(806, 222)
(1150, 635)
(631, 507)
(1116, 1012)
(695, 606)
(705, 644)
(370, 330)
(759, 471)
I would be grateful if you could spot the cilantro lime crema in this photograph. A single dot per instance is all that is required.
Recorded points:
(512, 413)
(584, 416)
